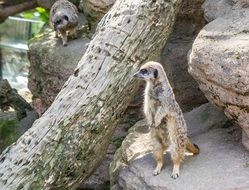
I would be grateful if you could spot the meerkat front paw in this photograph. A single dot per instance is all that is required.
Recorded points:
(157, 171)
(175, 175)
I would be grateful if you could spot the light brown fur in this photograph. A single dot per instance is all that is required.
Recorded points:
(64, 19)
(165, 118)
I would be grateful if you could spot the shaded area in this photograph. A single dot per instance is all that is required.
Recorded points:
(10, 98)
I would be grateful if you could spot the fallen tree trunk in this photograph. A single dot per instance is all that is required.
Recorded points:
(68, 142)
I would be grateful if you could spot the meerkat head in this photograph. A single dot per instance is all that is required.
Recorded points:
(60, 21)
(150, 71)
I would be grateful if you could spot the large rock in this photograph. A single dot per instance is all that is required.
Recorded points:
(131, 169)
(219, 61)
(174, 56)
(218, 166)
(95, 9)
(51, 64)
(217, 8)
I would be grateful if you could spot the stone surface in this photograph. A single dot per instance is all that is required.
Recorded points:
(95, 9)
(203, 118)
(219, 62)
(51, 64)
(125, 173)
(174, 56)
(217, 167)
(216, 8)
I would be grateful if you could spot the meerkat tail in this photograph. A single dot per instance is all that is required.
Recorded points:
(192, 147)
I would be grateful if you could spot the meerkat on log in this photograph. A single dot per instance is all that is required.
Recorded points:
(64, 19)
(167, 126)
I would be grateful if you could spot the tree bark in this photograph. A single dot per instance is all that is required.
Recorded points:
(12, 9)
(68, 142)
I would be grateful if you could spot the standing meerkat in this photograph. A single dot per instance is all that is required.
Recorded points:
(64, 19)
(164, 117)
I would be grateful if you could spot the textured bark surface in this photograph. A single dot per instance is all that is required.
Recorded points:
(9, 8)
(68, 142)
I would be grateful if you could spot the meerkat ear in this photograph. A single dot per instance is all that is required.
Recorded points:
(155, 73)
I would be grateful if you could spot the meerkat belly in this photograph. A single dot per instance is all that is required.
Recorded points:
(177, 134)
(161, 135)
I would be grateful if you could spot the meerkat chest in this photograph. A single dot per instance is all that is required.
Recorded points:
(154, 96)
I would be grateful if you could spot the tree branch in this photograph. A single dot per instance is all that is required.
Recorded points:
(9, 10)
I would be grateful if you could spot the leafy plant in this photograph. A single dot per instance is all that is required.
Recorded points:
(38, 13)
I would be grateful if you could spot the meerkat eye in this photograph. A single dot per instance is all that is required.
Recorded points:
(155, 73)
(144, 71)
(65, 17)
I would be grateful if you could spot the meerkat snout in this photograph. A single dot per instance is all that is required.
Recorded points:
(60, 22)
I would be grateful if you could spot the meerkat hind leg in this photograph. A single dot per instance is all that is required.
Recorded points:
(176, 169)
(158, 154)
(177, 159)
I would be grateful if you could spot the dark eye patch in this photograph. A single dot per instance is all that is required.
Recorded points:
(143, 71)
(155, 73)
(65, 17)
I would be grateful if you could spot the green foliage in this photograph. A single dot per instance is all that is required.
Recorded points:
(38, 13)
(8, 133)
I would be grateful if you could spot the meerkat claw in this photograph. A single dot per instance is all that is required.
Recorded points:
(156, 172)
(174, 175)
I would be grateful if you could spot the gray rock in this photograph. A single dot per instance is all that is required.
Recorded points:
(219, 62)
(217, 167)
(131, 169)
(216, 8)
(203, 118)
(95, 9)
